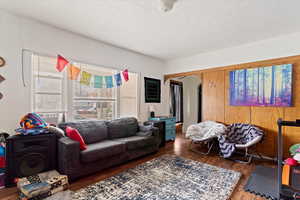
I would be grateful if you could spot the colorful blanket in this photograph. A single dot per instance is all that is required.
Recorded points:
(32, 124)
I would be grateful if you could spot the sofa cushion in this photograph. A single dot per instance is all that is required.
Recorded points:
(144, 133)
(91, 131)
(121, 128)
(102, 150)
(137, 142)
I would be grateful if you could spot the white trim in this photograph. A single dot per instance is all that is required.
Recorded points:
(49, 93)
(69, 99)
(54, 111)
(48, 76)
(118, 103)
(138, 95)
(94, 99)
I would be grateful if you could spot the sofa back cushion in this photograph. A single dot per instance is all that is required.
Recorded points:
(91, 131)
(124, 127)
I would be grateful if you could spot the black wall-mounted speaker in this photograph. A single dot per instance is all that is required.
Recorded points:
(29, 155)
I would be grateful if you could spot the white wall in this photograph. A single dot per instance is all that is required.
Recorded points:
(282, 46)
(190, 101)
(17, 33)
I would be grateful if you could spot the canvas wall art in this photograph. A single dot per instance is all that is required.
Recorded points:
(264, 86)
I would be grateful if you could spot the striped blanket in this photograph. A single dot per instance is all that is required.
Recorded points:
(237, 134)
(32, 124)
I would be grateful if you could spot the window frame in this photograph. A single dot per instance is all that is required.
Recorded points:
(34, 91)
(73, 99)
(67, 90)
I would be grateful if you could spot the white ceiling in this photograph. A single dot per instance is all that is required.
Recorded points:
(194, 26)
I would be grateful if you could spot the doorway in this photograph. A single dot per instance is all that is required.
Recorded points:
(176, 99)
(186, 100)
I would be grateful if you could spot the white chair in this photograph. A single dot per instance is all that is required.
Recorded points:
(204, 133)
(240, 137)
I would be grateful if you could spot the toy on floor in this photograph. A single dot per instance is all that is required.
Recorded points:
(3, 137)
(295, 153)
(42, 185)
(291, 162)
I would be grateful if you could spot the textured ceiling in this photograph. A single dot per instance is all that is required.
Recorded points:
(193, 26)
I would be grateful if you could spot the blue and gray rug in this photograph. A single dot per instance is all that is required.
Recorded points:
(165, 178)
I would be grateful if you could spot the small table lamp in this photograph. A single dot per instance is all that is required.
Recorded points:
(152, 110)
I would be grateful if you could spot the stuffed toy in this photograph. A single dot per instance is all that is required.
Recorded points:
(291, 162)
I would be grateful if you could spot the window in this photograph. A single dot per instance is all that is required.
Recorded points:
(48, 89)
(94, 103)
(54, 96)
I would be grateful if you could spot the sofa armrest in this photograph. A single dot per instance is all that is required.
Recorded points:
(154, 131)
(68, 155)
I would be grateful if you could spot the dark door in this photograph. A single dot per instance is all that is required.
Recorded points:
(176, 100)
(200, 103)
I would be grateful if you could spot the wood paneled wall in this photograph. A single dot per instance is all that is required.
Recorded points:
(216, 103)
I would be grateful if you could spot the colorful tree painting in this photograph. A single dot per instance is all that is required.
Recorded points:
(264, 86)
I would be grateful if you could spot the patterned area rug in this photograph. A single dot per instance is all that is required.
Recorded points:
(165, 178)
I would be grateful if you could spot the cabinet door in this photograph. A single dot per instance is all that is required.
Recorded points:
(213, 96)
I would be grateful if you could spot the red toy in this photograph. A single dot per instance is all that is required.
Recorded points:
(2, 162)
(291, 162)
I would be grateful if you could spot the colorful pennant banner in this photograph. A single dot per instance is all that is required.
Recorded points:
(61, 63)
(109, 82)
(98, 81)
(118, 79)
(125, 75)
(86, 77)
(73, 72)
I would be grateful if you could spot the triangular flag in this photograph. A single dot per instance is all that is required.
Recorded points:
(98, 81)
(2, 79)
(109, 81)
(85, 78)
(118, 79)
(125, 75)
(61, 63)
(73, 72)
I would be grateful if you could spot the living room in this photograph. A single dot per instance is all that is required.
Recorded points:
(156, 99)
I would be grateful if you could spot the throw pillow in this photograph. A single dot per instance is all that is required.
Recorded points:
(57, 131)
(75, 135)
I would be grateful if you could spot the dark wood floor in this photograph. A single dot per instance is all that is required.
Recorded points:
(180, 148)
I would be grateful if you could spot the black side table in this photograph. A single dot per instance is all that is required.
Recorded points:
(161, 125)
